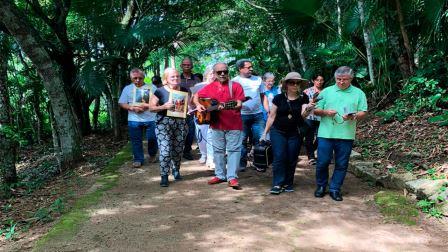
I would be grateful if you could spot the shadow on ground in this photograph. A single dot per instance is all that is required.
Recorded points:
(190, 215)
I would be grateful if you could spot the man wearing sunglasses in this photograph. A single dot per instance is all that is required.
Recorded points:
(187, 80)
(139, 117)
(226, 129)
(251, 112)
(340, 107)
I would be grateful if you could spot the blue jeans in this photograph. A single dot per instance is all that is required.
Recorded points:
(226, 141)
(190, 135)
(136, 135)
(285, 148)
(253, 127)
(342, 149)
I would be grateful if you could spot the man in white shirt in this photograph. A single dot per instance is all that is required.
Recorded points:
(139, 117)
(251, 112)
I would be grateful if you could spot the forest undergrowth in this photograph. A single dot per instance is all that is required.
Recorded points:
(43, 193)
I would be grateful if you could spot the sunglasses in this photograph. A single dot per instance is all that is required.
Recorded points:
(294, 83)
(225, 72)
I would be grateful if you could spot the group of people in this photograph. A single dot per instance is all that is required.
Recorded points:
(284, 114)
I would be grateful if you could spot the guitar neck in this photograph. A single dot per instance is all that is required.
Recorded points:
(230, 105)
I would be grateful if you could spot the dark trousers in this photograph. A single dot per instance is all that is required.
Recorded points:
(285, 148)
(342, 149)
(310, 138)
(190, 134)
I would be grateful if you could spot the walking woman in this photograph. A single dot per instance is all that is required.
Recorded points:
(202, 131)
(284, 119)
(170, 131)
(313, 120)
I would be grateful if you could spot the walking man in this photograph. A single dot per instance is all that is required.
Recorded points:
(132, 99)
(251, 111)
(341, 107)
(226, 129)
(187, 80)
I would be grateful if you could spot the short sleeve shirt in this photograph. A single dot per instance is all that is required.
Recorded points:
(189, 82)
(270, 94)
(164, 95)
(311, 91)
(226, 119)
(252, 87)
(127, 97)
(285, 108)
(349, 100)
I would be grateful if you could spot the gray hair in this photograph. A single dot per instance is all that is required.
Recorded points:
(188, 59)
(268, 75)
(219, 63)
(344, 70)
(240, 63)
(136, 70)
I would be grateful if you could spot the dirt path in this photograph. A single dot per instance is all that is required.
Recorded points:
(190, 215)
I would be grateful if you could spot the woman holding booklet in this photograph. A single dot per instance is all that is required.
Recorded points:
(171, 127)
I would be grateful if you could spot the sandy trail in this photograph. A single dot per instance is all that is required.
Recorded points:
(139, 215)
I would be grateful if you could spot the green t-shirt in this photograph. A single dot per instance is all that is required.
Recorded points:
(350, 100)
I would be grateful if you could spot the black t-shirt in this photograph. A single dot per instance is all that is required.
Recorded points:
(164, 96)
(294, 108)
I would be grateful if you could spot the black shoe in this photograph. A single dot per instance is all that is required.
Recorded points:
(188, 156)
(276, 190)
(336, 196)
(177, 175)
(164, 181)
(320, 192)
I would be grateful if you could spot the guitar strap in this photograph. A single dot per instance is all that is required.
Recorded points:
(231, 90)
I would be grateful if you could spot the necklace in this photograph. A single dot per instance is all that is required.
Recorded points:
(289, 105)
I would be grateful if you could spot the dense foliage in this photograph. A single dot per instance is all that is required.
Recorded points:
(398, 49)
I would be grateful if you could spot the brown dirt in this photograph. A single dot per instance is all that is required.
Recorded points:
(138, 215)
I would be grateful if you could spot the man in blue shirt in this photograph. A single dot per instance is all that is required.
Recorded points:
(132, 99)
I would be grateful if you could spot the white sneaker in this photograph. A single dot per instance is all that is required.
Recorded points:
(211, 164)
(202, 160)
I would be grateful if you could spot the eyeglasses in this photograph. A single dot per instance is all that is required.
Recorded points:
(138, 78)
(225, 72)
(248, 67)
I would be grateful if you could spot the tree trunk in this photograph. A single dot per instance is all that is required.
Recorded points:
(8, 147)
(32, 44)
(96, 112)
(167, 62)
(404, 34)
(339, 20)
(287, 51)
(39, 117)
(366, 41)
(299, 51)
(172, 61)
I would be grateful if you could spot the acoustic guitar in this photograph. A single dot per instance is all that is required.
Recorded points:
(211, 108)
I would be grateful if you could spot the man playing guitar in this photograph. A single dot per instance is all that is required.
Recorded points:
(228, 126)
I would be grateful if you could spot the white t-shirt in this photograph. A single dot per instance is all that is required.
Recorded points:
(132, 94)
(252, 87)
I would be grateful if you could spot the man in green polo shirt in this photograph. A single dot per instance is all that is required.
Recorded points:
(340, 107)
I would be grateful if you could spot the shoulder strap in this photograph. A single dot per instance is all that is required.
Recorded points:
(230, 89)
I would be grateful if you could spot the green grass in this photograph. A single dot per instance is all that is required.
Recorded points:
(396, 208)
(70, 223)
